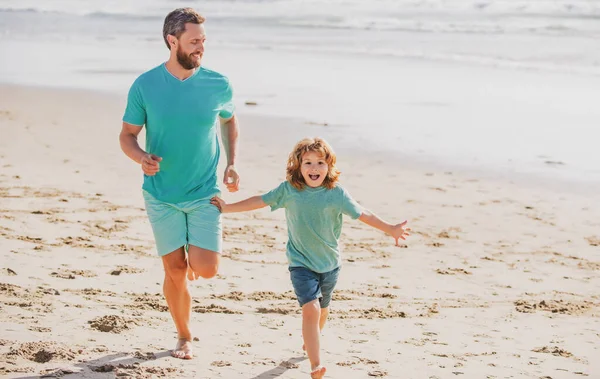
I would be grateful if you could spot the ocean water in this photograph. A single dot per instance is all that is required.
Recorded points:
(508, 86)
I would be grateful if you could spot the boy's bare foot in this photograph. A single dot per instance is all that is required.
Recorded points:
(183, 350)
(318, 372)
(190, 274)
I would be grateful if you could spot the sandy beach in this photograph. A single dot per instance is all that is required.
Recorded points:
(498, 280)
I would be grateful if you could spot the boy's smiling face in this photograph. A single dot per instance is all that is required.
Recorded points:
(314, 168)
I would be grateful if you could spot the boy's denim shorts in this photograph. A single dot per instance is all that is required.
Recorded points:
(195, 222)
(310, 285)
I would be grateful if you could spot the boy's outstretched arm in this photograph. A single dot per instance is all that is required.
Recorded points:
(250, 204)
(398, 231)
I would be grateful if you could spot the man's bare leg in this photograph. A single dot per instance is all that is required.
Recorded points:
(202, 263)
(179, 301)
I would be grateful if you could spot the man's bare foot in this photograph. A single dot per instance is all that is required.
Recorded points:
(191, 275)
(318, 372)
(183, 350)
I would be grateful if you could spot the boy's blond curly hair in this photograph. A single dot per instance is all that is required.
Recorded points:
(319, 146)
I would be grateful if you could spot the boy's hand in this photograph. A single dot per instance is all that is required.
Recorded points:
(399, 231)
(219, 203)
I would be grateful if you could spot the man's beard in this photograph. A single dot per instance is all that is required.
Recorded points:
(186, 61)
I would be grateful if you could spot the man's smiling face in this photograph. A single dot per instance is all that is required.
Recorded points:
(190, 46)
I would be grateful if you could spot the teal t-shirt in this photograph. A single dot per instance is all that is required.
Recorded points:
(181, 127)
(314, 221)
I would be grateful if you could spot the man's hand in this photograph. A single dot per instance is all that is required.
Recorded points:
(399, 231)
(231, 179)
(219, 203)
(150, 164)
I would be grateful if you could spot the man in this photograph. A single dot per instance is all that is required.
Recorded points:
(179, 103)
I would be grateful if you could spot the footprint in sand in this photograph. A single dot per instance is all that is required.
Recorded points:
(378, 373)
(10, 272)
(272, 324)
(112, 323)
(453, 271)
(435, 244)
(289, 365)
(55, 373)
(279, 310)
(447, 233)
(42, 352)
(72, 274)
(220, 363)
(126, 270)
(593, 240)
(371, 313)
(213, 308)
(148, 302)
(554, 350)
(40, 329)
(148, 356)
(255, 296)
(136, 371)
(574, 308)
(358, 360)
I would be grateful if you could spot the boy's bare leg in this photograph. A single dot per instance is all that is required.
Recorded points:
(311, 315)
(322, 322)
(323, 319)
(179, 301)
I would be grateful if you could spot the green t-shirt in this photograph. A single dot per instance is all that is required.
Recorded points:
(181, 127)
(314, 221)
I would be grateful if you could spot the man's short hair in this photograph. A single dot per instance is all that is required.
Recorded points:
(176, 20)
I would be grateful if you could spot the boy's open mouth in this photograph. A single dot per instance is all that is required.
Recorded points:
(314, 176)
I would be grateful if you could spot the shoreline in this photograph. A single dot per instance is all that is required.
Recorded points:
(435, 113)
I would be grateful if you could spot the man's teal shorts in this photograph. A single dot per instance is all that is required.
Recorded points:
(195, 222)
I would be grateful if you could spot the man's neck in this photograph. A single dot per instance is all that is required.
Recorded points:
(177, 71)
